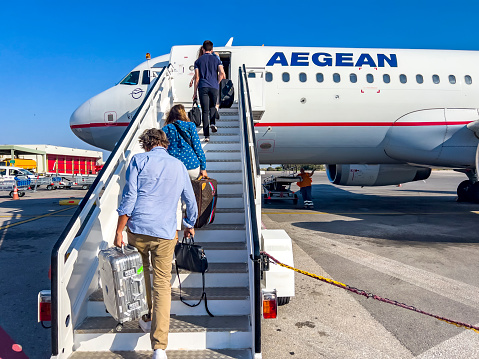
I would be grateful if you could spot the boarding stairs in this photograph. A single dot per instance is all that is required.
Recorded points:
(82, 327)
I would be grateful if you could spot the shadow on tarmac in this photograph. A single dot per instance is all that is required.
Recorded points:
(418, 220)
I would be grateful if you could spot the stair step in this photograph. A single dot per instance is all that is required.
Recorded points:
(186, 332)
(229, 210)
(225, 171)
(215, 227)
(214, 156)
(219, 234)
(223, 151)
(223, 129)
(229, 218)
(224, 165)
(178, 324)
(225, 146)
(229, 202)
(172, 354)
(226, 160)
(223, 141)
(221, 301)
(230, 188)
(220, 195)
(212, 279)
(220, 268)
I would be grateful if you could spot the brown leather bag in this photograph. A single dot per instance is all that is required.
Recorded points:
(206, 194)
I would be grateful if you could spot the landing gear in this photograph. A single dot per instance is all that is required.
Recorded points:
(467, 191)
(463, 191)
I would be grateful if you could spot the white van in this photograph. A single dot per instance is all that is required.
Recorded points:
(9, 173)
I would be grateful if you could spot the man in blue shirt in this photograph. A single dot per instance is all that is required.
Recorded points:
(154, 183)
(209, 73)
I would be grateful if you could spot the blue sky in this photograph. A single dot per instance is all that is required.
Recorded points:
(55, 55)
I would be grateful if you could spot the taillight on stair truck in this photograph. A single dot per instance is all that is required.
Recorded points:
(45, 306)
(270, 304)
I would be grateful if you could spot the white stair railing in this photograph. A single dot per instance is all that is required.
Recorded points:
(252, 197)
(74, 258)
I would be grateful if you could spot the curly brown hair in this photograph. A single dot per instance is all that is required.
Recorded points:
(177, 112)
(153, 137)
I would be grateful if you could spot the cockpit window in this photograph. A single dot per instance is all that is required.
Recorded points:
(131, 79)
(146, 78)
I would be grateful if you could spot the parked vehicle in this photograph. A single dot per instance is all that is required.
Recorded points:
(26, 164)
(9, 173)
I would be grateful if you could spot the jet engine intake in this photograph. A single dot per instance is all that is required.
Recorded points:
(375, 175)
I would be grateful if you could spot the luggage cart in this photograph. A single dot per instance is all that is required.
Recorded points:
(22, 184)
(56, 182)
(275, 188)
(40, 181)
(82, 181)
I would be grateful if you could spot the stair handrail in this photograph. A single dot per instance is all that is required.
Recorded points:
(252, 173)
(65, 251)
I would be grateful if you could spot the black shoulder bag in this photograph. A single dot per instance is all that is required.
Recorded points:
(195, 114)
(183, 135)
(191, 257)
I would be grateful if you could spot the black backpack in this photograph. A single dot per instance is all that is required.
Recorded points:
(227, 93)
(195, 114)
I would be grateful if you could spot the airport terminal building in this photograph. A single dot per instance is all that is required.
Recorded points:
(54, 159)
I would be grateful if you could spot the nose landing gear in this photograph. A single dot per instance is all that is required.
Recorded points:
(468, 190)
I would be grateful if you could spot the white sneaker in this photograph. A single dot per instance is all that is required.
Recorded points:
(159, 354)
(145, 326)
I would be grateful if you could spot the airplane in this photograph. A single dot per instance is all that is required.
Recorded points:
(374, 116)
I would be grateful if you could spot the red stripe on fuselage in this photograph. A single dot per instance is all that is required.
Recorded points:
(362, 124)
(307, 124)
(99, 124)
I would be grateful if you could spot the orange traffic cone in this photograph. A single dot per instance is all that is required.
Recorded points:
(15, 193)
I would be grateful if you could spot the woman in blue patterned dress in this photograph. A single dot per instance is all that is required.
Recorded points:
(178, 128)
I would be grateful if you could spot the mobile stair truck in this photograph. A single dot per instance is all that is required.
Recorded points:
(80, 326)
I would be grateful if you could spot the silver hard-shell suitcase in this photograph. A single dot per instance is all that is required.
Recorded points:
(123, 283)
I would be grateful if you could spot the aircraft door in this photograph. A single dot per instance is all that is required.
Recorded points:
(182, 60)
(256, 80)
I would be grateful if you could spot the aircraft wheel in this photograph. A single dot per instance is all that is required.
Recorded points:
(464, 191)
(474, 193)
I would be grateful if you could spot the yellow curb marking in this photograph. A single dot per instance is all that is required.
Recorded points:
(35, 218)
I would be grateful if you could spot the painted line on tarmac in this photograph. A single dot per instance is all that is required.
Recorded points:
(34, 219)
(443, 286)
(8, 348)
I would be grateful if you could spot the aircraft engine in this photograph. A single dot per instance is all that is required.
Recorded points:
(375, 175)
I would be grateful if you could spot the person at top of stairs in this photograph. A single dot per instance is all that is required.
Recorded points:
(209, 73)
(154, 183)
(184, 141)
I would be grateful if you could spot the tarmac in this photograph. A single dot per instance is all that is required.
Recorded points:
(414, 244)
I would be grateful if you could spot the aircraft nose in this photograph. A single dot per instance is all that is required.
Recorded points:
(80, 122)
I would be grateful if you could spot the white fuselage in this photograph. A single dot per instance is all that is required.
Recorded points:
(330, 105)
